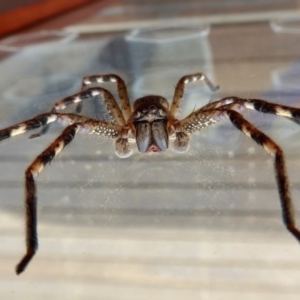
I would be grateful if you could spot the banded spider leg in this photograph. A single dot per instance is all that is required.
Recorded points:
(118, 115)
(77, 124)
(213, 112)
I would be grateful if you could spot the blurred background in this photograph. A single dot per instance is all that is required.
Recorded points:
(201, 225)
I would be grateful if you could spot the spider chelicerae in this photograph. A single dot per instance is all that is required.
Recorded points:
(151, 122)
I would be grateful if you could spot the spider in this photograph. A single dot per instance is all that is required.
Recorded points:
(151, 123)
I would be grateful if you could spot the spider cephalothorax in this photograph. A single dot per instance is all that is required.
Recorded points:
(150, 122)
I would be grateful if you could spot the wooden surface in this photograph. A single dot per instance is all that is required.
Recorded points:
(22, 16)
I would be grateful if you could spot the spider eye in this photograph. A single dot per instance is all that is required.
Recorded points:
(137, 114)
(162, 113)
(152, 109)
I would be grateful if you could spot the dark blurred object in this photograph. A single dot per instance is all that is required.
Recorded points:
(19, 14)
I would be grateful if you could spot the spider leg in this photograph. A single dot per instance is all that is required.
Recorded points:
(201, 119)
(121, 87)
(279, 165)
(39, 121)
(180, 87)
(30, 197)
(197, 120)
(110, 102)
(259, 105)
(90, 127)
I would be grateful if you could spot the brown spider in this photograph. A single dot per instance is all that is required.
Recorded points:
(151, 123)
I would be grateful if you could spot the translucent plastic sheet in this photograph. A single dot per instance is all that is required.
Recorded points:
(164, 226)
